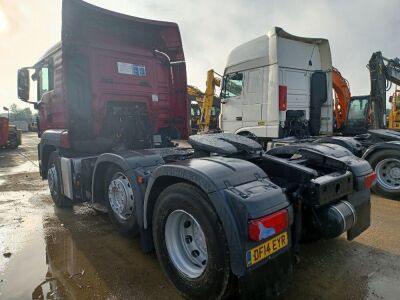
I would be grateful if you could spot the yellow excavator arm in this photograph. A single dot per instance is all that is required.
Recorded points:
(208, 99)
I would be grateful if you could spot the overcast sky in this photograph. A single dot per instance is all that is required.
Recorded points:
(210, 29)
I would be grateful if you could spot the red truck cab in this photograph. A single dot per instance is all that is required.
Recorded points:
(112, 81)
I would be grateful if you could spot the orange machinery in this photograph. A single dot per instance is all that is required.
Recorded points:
(342, 98)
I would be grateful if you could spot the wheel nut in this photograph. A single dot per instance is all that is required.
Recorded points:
(187, 224)
(188, 239)
(195, 253)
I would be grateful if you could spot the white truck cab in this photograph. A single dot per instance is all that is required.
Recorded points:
(278, 85)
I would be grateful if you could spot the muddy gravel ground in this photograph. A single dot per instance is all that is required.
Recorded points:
(47, 253)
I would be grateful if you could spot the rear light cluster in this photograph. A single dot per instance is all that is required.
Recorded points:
(262, 228)
(369, 180)
(282, 98)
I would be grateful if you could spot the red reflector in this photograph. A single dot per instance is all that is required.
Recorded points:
(64, 140)
(282, 97)
(369, 180)
(267, 226)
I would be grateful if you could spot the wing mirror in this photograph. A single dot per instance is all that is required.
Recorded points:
(23, 84)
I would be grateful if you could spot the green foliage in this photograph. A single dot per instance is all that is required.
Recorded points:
(18, 114)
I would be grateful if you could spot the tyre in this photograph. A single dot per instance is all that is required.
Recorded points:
(190, 243)
(120, 201)
(54, 181)
(386, 164)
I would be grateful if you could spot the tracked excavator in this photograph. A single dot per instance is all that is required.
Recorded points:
(204, 109)
(357, 114)
(365, 118)
(341, 98)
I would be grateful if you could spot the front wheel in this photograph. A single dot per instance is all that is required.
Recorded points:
(386, 164)
(191, 244)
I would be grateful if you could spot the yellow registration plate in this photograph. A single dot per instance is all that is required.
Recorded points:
(266, 249)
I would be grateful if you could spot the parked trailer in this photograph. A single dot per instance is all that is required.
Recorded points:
(222, 216)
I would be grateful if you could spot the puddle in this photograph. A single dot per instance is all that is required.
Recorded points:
(76, 254)
(382, 287)
(27, 263)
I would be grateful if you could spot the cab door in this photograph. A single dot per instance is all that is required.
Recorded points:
(232, 102)
(252, 98)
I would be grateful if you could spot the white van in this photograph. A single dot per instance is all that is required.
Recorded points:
(278, 85)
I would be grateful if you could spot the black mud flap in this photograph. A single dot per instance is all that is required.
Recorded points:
(269, 280)
(363, 221)
(363, 212)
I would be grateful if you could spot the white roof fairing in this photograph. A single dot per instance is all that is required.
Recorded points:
(263, 51)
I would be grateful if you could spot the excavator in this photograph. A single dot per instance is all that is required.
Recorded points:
(364, 117)
(394, 115)
(204, 107)
(341, 100)
(195, 97)
(358, 114)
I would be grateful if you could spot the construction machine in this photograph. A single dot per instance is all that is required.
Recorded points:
(368, 112)
(195, 97)
(394, 114)
(205, 107)
(342, 99)
(208, 101)
(222, 216)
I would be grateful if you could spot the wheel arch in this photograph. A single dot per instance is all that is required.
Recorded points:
(44, 159)
(394, 145)
(104, 162)
(154, 191)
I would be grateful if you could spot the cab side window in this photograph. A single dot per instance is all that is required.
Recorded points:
(45, 79)
(233, 85)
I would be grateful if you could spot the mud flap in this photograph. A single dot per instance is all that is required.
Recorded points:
(362, 206)
(269, 280)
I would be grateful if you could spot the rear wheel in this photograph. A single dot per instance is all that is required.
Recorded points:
(54, 181)
(386, 164)
(191, 244)
(120, 201)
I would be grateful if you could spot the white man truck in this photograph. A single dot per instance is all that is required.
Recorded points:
(277, 89)
(278, 85)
